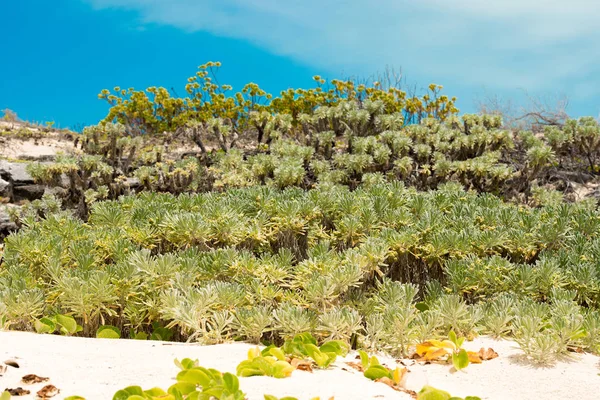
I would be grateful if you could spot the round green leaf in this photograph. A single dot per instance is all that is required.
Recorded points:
(460, 360)
(108, 332)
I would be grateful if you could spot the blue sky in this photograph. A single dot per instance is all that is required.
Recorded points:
(58, 55)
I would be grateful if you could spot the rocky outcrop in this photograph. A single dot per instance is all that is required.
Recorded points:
(16, 183)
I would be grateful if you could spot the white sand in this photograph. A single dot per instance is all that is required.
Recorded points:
(30, 148)
(96, 368)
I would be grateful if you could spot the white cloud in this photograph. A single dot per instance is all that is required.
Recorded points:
(535, 44)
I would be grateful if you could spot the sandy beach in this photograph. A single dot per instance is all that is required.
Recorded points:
(97, 368)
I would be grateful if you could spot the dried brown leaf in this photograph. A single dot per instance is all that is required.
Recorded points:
(388, 382)
(12, 363)
(48, 391)
(30, 379)
(474, 357)
(302, 365)
(575, 349)
(356, 366)
(487, 354)
(18, 391)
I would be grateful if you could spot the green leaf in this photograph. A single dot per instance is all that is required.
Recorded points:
(338, 347)
(231, 382)
(44, 325)
(215, 392)
(374, 361)
(431, 393)
(197, 375)
(322, 359)
(155, 392)
(364, 359)
(160, 333)
(186, 363)
(181, 388)
(453, 339)
(277, 353)
(140, 336)
(125, 394)
(249, 371)
(68, 323)
(267, 350)
(460, 360)
(421, 306)
(282, 369)
(306, 338)
(5, 396)
(108, 332)
(375, 372)
(66, 398)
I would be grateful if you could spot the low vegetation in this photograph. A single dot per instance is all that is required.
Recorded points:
(262, 263)
(343, 216)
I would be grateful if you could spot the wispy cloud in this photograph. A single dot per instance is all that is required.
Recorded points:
(533, 44)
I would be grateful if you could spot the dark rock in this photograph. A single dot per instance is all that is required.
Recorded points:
(5, 189)
(15, 173)
(6, 225)
(28, 192)
(133, 183)
(56, 191)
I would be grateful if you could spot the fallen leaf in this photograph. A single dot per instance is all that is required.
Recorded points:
(3, 369)
(439, 347)
(575, 349)
(12, 363)
(355, 365)
(302, 365)
(408, 363)
(388, 382)
(18, 391)
(30, 379)
(474, 358)
(435, 354)
(487, 354)
(398, 375)
(48, 391)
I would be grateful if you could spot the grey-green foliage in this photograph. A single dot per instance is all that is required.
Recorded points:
(262, 263)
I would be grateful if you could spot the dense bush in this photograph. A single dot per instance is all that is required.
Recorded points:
(261, 263)
(342, 141)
